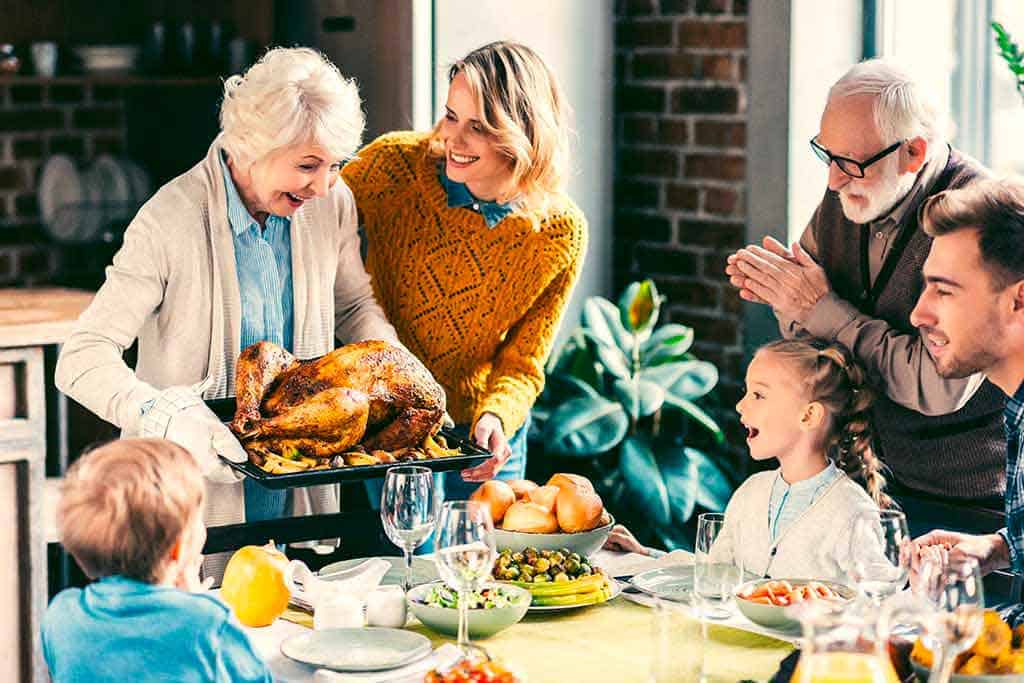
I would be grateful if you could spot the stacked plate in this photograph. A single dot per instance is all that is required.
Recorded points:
(107, 58)
(77, 207)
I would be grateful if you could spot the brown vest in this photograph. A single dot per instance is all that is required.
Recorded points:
(960, 455)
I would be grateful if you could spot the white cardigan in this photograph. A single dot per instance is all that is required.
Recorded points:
(815, 546)
(174, 286)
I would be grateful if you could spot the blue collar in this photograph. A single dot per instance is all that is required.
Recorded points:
(459, 196)
(820, 479)
(1013, 413)
(238, 216)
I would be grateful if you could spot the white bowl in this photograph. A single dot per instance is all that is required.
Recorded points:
(586, 543)
(482, 623)
(775, 616)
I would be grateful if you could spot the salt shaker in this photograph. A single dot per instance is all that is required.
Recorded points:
(338, 610)
(386, 607)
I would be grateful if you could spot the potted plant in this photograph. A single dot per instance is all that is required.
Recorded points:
(622, 397)
(1011, 52)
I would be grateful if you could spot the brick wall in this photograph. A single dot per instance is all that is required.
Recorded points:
(681, 68)
(38, 118)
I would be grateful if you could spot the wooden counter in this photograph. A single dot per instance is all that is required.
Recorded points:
(37, 317)
(32, 416)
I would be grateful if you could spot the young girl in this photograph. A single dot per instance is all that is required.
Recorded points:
(807, 406)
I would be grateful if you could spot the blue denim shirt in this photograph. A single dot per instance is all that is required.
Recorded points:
(263, 259)
(120, 629)
(459, 196)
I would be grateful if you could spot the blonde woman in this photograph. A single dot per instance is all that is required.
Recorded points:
(258, 241)
(473, 246)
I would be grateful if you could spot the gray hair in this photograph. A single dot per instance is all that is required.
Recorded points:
(903, 110)
(291, 96)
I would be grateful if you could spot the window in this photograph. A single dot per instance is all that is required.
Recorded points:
(950, 47)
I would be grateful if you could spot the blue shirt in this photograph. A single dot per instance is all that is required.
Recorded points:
(459, 196)
(120, 629)
(1013, 532)
(263, 259)
(789, 501)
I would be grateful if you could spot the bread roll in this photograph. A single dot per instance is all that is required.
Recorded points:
(521, 487)
(564, 479)
(531, 518)
(497, 495)
(544, 496)
(578, 510)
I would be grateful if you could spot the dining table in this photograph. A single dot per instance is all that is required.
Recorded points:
(615, 641)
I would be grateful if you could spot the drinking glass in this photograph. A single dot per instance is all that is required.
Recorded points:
(678, 642)
(407, 510)
(953, 588)
(880, 552)
(465, 553)
(716, 573)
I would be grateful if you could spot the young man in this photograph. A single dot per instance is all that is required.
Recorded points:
(971, 318)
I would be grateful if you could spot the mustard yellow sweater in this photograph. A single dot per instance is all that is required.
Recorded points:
(480, 307)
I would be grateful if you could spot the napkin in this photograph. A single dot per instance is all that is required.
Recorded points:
(441, 658)
(308, 588)
(629, 564)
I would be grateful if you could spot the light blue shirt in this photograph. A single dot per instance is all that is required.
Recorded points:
(459, 196)
(120, 629)
(263, 259)
(789, 501)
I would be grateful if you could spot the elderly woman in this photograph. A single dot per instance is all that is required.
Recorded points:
(258, 241)
(474, 246)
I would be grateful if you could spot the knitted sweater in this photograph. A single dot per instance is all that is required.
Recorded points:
(479, 306)
(815, 546)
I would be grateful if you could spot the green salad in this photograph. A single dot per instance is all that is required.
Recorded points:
(491, 597)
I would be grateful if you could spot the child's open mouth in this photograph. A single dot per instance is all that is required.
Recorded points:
(752, 432)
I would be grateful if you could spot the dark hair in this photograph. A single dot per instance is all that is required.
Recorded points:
(836, 381)
(995, 208)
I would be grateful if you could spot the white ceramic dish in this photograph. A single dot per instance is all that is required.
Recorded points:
(586, 543)
(60, 188)
(616, 591)
(357, 649)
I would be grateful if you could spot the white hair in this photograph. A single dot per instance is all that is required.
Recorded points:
(903, 110)
(291, 96)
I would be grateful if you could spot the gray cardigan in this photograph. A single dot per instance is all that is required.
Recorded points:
(173, 285)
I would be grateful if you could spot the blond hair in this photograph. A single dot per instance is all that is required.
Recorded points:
(124, 505)
(903, 110)
(993, 207)
(835, 380)
(291, 96)
(523, 111)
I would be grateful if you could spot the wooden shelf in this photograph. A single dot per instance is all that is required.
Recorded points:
(125, 79)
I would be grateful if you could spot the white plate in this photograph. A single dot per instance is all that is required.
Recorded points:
(59, 187)
(90, 219)
(616, 590)
(357, 649)
(115, 186)
(673, 583)
(423, 570)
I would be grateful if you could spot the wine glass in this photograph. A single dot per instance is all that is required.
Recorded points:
(880, 553)
(407, 510)
(953, 587)
(465, 554)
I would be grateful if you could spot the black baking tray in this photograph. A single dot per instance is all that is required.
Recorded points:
(474, 455)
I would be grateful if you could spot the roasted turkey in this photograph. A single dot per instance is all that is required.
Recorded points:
(370, 393)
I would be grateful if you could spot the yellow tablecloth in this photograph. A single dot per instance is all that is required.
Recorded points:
(613, 643)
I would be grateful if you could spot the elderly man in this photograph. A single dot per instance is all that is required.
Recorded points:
(855, 276)
(971, 316)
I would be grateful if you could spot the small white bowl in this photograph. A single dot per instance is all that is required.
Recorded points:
(586, 543)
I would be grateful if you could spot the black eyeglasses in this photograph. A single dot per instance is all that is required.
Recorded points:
(851, 167)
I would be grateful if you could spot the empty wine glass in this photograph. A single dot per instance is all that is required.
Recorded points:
(880, 553)
(953, 588)
(407, 510)
(465, 553)
(716, 573)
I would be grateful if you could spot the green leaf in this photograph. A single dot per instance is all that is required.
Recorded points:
(684, 379)
(641, 398)
(667, 343)
(644, 481)
(601, 319)
(697, 414)
(612, 360)
(680, 477)
(714, 490)
(573, 386)
(639, 306)
(585, 426)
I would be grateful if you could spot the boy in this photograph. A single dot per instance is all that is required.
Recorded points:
(131, 515)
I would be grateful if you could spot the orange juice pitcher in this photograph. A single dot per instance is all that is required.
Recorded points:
(844, 645)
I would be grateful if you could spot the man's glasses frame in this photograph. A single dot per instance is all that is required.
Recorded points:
(851, 167)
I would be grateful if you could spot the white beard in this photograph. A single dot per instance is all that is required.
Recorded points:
(880, 201)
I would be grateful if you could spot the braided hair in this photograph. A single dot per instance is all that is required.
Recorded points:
(834, 379)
